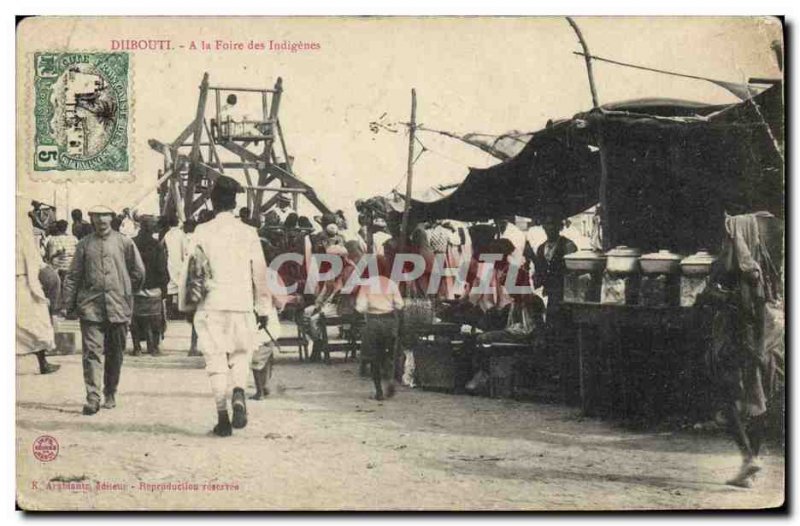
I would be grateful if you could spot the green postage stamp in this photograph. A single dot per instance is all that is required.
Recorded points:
(81, 111)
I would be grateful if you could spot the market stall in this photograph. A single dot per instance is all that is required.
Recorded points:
(673, 171)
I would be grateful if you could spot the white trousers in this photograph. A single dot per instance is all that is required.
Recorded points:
(227, 340)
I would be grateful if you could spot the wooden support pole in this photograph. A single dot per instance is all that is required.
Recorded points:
(603, 189)
(249, 183)
(266, 156)
(412, 128)
(212, 148)
(194, 156)
(162, 178)
(588, 58)
(410, 170)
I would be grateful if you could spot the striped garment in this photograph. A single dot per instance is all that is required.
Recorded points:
(60, 250)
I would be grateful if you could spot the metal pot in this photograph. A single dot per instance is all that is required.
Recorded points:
(661, 262)
(623, 260)
(585, 261)
(698, 264)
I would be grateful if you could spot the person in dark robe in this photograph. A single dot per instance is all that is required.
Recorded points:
(549, 266)
(80, 228)
(549, 270)
(148, 303)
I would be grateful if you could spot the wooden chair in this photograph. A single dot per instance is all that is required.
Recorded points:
(295, 314)
(348, 342)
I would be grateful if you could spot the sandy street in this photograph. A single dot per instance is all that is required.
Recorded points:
(319, 442)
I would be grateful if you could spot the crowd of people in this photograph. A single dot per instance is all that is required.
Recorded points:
(126, 274)
(232, 277)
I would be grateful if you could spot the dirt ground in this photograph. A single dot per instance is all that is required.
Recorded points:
(318, 442)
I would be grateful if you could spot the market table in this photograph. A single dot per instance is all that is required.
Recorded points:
(641, 361)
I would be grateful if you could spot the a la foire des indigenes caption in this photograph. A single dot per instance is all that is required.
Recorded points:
(376, 263)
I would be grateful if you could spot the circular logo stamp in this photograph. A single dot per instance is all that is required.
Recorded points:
(45, 448)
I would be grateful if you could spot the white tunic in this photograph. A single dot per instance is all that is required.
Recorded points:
(174, 241)
(239, 280)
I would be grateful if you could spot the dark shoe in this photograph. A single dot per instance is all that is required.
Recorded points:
(136, 352)
(378, 396)
(239, 409)
(49, 368)
(194, 352)
(91, 407)
(110, 402)
(223, 427)
(156, 352)
(390, 390)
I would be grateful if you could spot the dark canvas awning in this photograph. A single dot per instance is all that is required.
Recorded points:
(674, 168)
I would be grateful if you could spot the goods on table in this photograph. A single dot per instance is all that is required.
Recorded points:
(585, 261)
(582, 287)
(659, 290)
(695, 269)
(698, 264)
(623, 260)
(620, 289)
(691, 287)
(661, 262)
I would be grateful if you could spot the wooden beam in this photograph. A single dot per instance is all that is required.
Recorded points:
(194, 156)
(248, 90)
(283, 143)
(279, 189)
(276, 99)
(176, 198)
(212, 147)
(272, 201)
(209, 171)
(268, 153)
(588, 59)
(185, 134)
(605, 233)
(238, 165)
(261, 161)
(412, 128)
(243, 152)
(263, 176)
(162, 178)
(409, 170)
(197, 203)
(159, 146)
(287, 178)
(316, 201)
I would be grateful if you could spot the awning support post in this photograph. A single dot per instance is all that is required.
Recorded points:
(605, 239)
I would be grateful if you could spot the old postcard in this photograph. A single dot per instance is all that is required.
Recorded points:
(400, 263)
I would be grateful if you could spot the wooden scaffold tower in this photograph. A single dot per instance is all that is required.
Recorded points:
(193, 161)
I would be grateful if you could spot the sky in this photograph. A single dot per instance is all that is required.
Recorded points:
(487, 75)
